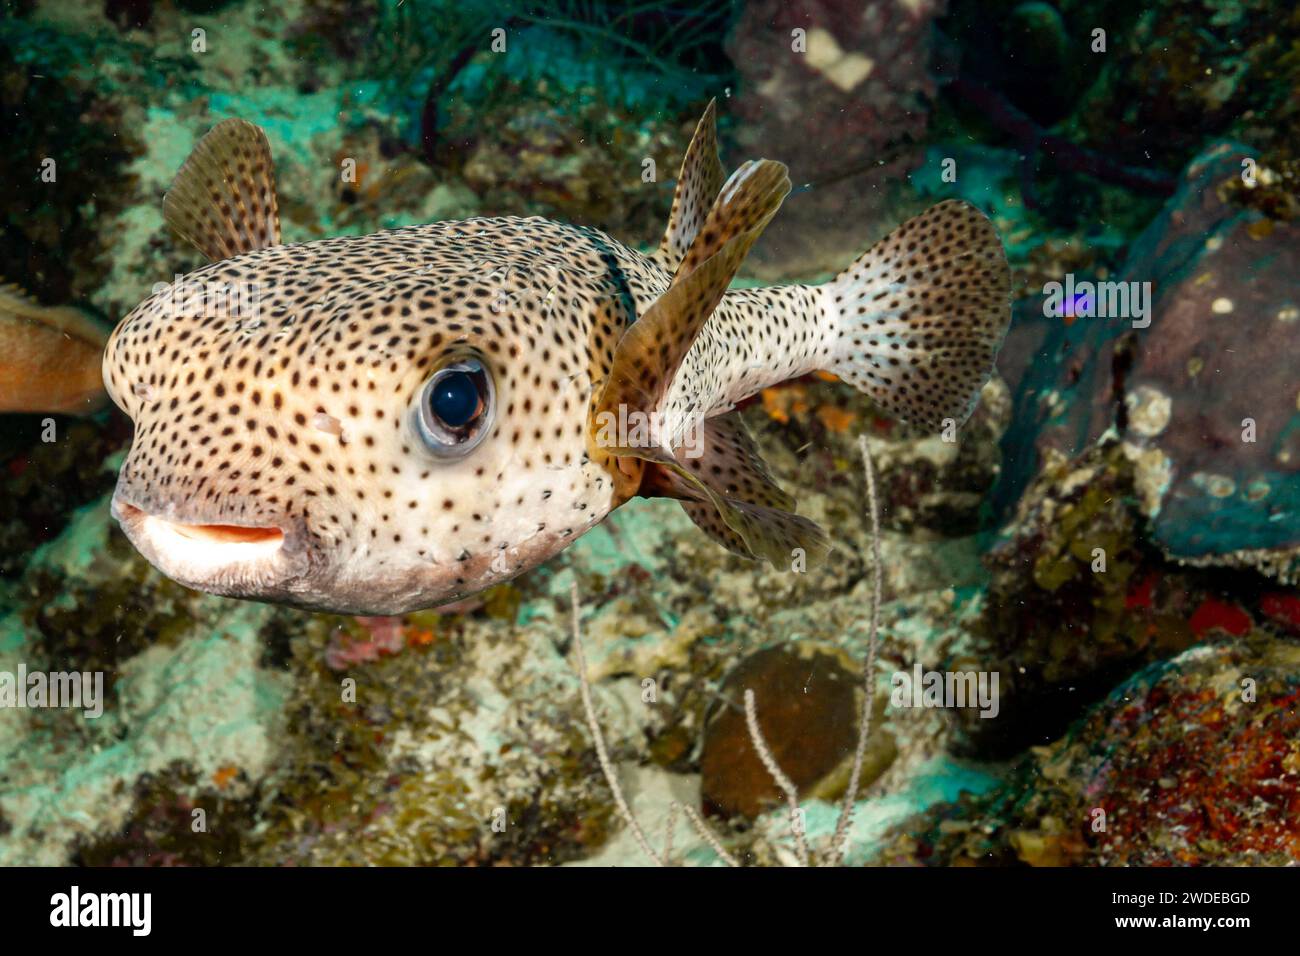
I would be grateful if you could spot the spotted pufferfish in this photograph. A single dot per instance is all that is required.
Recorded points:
(399, 420)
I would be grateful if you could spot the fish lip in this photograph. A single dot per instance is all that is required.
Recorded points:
(215, 554)
(243, 542)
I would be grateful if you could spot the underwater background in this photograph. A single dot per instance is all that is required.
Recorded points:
(1114, 534)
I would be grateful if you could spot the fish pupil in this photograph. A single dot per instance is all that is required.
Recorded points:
(455, 399)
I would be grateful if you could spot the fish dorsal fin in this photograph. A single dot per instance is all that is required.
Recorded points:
(726, 489)
(223, 199)
(698, 184)
(740, 202)
(651, 350)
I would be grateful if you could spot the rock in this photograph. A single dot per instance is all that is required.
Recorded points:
(1208, 416)
(836, 113)
(1193, 761)
(1168, 80)
(1078, 599)
(808, 698)
(1056, 629)
(543, 159)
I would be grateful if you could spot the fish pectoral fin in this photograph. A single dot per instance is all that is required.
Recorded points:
(223, 200)
(726, 489)
(651, 350)
(698, 185)
(754, 531)
(725, 457)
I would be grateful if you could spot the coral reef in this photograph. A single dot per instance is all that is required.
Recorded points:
(1190, 762)
(1112, 534)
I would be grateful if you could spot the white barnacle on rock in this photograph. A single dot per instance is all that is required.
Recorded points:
(1217, 486)
(1257, 490)
(1149, 410)
(1152, 475)
(845, 70)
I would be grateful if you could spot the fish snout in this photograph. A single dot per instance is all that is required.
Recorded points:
(263, 556)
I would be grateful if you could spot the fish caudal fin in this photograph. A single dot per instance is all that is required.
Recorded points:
(922, 314)
(223, 200)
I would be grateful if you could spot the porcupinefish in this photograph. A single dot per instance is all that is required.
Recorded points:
(400, 420)
(50, 356)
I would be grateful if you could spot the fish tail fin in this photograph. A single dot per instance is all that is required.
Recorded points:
(921, 315)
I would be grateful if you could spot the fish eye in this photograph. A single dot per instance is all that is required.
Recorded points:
(455, 408)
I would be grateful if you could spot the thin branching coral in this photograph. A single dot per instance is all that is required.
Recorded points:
(833, 855)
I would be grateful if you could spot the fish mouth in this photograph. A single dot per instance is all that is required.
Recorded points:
(236, 560)
(216, 544)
